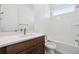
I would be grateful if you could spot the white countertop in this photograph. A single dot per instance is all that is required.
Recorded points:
(8, 40)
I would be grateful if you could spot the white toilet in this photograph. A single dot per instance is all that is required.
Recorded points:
(50, 47)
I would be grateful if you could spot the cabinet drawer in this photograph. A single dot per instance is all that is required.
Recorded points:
(15, 48)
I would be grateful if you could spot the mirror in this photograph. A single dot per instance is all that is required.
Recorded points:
(11, 15)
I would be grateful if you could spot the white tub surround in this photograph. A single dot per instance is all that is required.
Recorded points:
(64, 48)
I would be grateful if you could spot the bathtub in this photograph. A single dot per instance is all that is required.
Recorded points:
(64, 48)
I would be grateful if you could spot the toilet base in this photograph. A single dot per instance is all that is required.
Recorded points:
(50, 51)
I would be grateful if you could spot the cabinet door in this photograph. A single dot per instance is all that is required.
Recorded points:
(2, 50)
(18, 47)
(27, 51)
(41, 48)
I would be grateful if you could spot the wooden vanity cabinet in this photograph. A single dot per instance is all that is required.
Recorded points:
(32, 46)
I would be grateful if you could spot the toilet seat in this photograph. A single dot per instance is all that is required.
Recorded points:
(50, 45)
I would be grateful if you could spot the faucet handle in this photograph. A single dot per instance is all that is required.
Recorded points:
(77, 35)
(76, 40)
(21, 29)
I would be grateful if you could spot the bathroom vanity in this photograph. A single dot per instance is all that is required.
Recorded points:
(34, 44)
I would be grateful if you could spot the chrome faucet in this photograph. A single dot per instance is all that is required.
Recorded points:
(24, 30)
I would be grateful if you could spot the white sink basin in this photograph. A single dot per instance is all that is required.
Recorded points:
(27, 35)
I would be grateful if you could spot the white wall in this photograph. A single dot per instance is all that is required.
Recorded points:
(9, 18)
(14, 14)
(0, 19)
(61, 28)
(26, 16)
(42, 18)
